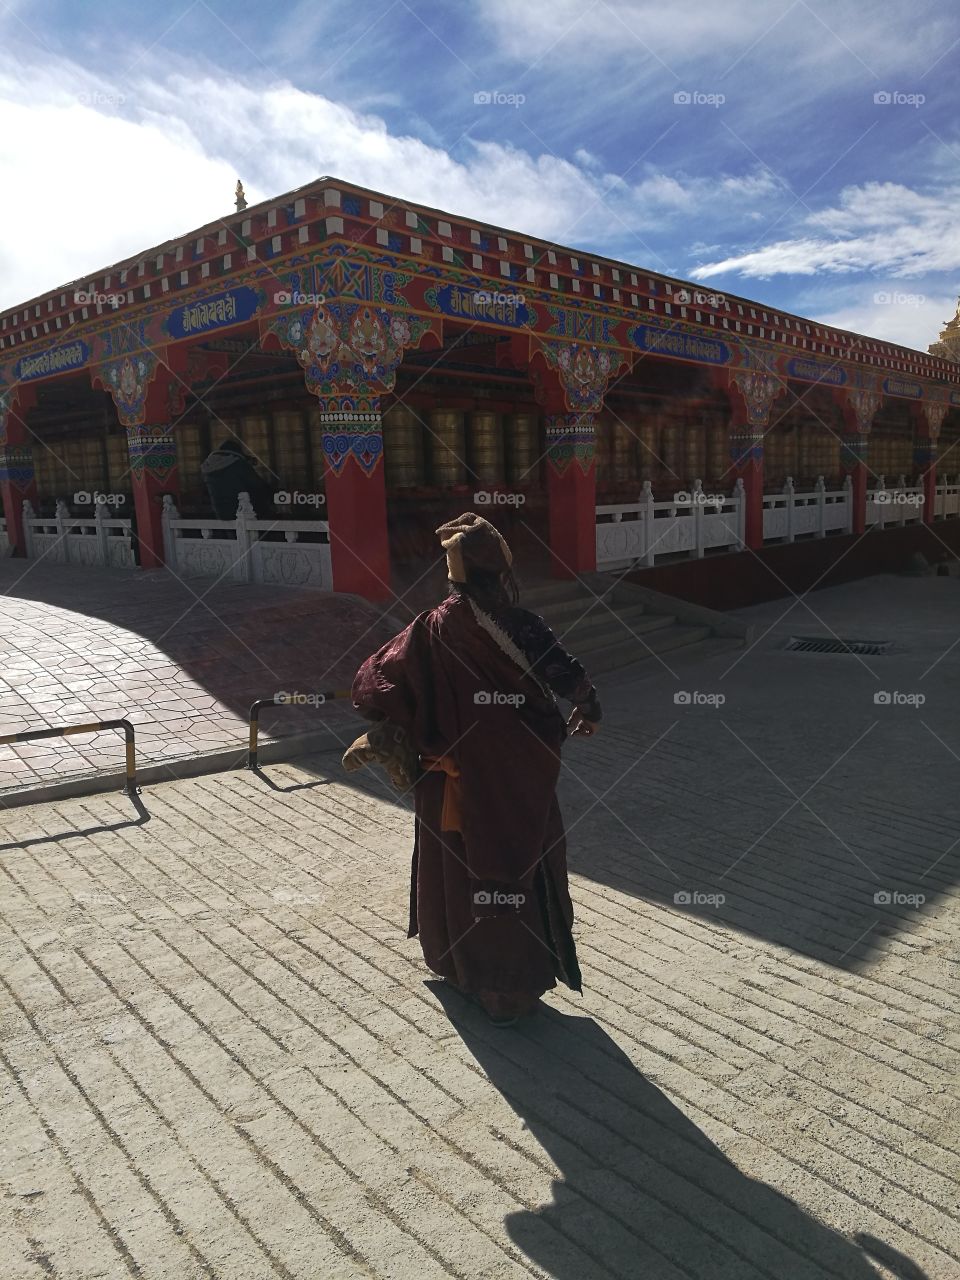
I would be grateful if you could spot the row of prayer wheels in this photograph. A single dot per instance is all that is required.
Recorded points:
(811, 450)
(631, 450)
(444, 448)
(285, 441)
(890, 455)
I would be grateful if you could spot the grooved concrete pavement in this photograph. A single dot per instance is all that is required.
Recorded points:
(222, 1057)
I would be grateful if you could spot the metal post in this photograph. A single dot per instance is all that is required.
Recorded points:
(95, 726)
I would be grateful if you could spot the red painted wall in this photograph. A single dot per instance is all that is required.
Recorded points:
(744, 578)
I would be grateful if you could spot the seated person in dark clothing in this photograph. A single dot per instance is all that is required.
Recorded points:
(230, 471)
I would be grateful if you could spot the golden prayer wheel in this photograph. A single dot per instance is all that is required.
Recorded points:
(290, 448)
(604, 453)
(773, 454)
(831, 456)
(624, 451)
(255, 434)
(790, 456)
(118, 459)
(403, 451)
(485, 447)
(522, 439)
(718, 461)
(671, 445)
(648, 451)
(223, 427)
(447, 463)
(807, 450)
(694, 453)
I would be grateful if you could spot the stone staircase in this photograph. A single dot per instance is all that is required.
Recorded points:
(609, 624)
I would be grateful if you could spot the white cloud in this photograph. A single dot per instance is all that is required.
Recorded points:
(911, 317)
(877, 227)
(95, 179)
(813, 35)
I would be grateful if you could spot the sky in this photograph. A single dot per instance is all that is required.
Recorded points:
(803, 154)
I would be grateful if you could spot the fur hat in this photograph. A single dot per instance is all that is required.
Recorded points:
(473, 543)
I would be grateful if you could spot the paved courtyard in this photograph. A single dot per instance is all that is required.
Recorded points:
(183, 661)
(223, 1058)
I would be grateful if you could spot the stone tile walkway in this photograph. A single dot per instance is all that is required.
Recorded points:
(183, 662)
(222, 1057)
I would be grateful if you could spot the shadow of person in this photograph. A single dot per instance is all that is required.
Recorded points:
(902, 1267)
(642, 1191)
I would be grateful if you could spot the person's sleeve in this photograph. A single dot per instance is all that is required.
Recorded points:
(557, 668)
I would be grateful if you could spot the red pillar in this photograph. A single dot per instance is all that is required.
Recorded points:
(153, 472)
(356, 500)
(746, 454)
(753, 388)
(572, 493)
(858, 407)
(929, 419)
(853, 458)
(17, 479)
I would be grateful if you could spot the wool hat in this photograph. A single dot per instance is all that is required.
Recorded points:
(473, 543)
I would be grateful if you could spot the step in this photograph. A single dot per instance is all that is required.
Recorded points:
(623, 654)
(545, 594)
(600, 627)
(566, 611)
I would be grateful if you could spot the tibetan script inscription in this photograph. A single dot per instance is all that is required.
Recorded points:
(680, 345)
(214, 313)
(54, 360)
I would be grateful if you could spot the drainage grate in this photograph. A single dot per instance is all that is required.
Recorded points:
(825, 644)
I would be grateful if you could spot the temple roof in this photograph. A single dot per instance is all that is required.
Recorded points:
(314, 217)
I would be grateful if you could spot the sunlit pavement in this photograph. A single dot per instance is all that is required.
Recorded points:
(182, 661)
(223, 1057)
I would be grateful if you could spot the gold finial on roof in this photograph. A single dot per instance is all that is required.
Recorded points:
(241, 198)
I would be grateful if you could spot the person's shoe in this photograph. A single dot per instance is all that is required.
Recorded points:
(507, 1010)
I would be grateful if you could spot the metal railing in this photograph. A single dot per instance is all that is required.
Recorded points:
(95, 726)
(285, 700)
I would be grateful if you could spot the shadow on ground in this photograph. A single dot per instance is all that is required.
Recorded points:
(632, 1164)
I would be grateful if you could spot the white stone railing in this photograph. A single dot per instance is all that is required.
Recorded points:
(947, 501)
(693, 523)
(789, 515)
(238, 551)
(102, 542)
(894, 504)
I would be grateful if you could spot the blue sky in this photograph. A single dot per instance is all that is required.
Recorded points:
(740, 143)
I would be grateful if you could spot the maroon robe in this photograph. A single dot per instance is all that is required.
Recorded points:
(459, 686)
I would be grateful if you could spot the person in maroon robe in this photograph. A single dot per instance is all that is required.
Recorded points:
(464, 705)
